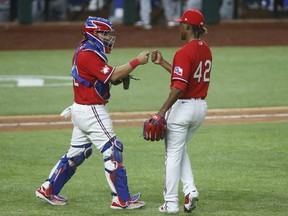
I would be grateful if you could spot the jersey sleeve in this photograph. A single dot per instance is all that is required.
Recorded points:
(180, 71)
(95, 67)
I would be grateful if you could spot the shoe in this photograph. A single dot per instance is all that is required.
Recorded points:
(163, 209)
(190, 201)
(147, 26)
(142, 25)
(172, 24)
(52, 199)
(129, 205)
(57, 196)
(62, 198)
(138, 24)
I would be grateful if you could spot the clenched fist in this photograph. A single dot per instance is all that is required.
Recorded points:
(156, 57)
(143, 57)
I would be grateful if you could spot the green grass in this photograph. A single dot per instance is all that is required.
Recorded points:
(239, 169)
(241, 77)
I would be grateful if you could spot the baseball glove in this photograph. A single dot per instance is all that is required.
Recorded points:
(125, 81)
(154, 128)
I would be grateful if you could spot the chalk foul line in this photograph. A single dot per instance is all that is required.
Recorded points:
(244, 116)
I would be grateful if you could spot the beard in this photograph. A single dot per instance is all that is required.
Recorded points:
(183, 37)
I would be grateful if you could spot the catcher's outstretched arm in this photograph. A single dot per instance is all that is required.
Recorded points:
(121, 72)
(124, 70)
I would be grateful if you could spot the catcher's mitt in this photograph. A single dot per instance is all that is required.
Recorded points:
(154, 128)
(125, 81)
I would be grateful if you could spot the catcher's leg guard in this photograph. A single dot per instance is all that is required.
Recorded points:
(115, 171)
(67, 165)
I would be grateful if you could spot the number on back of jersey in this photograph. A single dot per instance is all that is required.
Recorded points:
(199, 72)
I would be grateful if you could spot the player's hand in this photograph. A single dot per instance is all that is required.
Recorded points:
(156, 57)
(154, 128)
(143, 57)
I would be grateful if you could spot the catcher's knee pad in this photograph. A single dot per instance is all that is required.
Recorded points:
(115, 171)
(66, 167)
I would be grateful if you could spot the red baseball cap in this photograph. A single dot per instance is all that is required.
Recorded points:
(191, 16)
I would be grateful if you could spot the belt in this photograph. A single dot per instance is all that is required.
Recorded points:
(90, 104)
(201, 98)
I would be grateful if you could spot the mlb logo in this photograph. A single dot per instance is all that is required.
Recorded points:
(178, 70)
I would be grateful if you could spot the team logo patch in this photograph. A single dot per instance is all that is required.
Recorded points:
(178, 70)
(105, 69)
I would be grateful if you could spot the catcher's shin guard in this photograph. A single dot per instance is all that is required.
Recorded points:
(66, 167)
(115, 171)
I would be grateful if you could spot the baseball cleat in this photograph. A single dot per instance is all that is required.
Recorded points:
(163, 209)
(52, 199)
(62, 198)
(129, 205)
(190, 201)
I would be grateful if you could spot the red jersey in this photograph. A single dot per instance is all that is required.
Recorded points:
(95, 70)
(191, 69)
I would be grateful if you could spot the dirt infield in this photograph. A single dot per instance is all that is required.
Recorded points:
(136, 119)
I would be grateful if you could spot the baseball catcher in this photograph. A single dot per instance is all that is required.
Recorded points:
(154, 128)
(92, 76)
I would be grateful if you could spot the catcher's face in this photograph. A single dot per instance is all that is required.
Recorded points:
(108, 40)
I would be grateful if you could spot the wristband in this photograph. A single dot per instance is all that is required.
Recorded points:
(134, 63)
